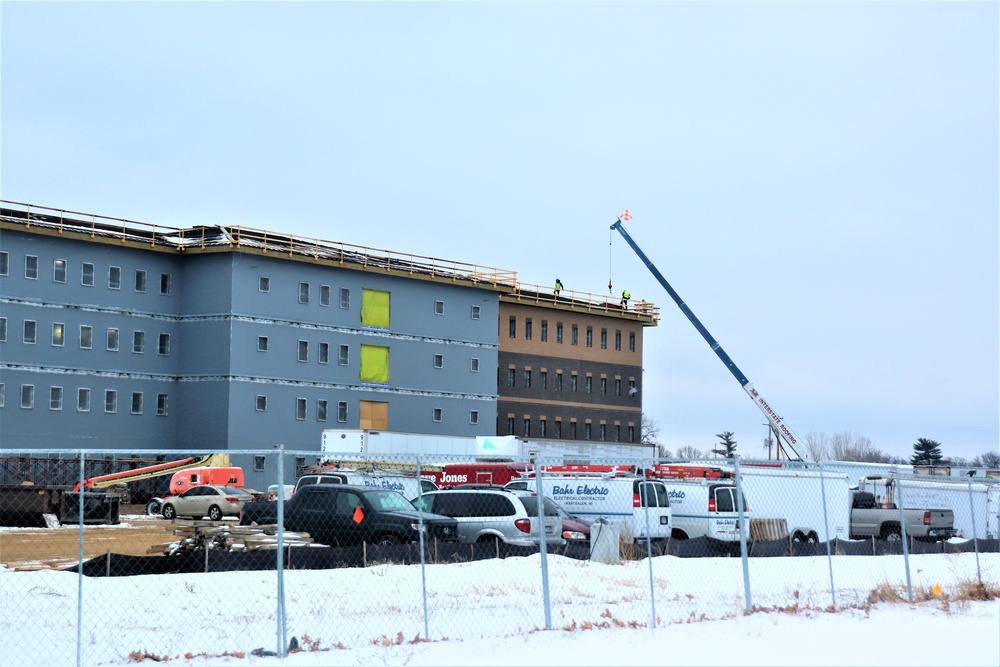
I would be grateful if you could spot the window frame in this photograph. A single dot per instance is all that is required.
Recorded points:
(344, 355)
(341, 412)
(58, 339)
(111, 401)
(138, 342)
(303, 293)
(324, 295)
(136, 407)
(439, 307)
(27, 396)
(83, 396)
(345, 298)
(87, 272)
(323, 352)
(56, 398)
(165, 284)
(31, 267)
(262, 343)
(60, 267)
(263, 284)
(301, 408)
(322, 409)
(162, 405)
(438, 361)
(114, 277)
(475, 313)
(260, 403)
(31, 325)
(140, 281)
(163, 344)
(302, 351)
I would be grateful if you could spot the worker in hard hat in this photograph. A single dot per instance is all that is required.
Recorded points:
(625, 297)
(558, 287)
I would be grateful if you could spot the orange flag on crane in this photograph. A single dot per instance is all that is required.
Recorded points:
(626, 216)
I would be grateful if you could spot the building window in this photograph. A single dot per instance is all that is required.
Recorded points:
(300, 408)
(83, 400)
(439, 307)
(140, 280)
(59, 270)
(438, 361)
(87, 275)
(558, 431)
(572, 430)
(261, 403)
(631, 433)
(30, 267)
(574, 335)
(574, 382)
(604, 386)
(511, 377)
(543, 378)
(475, 312)
(618, 432)
(618, 387)
(474, 364)
(474, 416)
(526, 428)
(588, 384)
(510, 426)
(58, 334)
(559, 332)
(545, 330)
(604, 339)
(436, 414)
(590, 336)
(527, 378)
(114, 277)
(618, 340)
(4, 259)
(375, 308)
(303, 353)
(512, 327)
(321, 410)
(86, 337)
(161, 405)
(111, 401)
(263, 284)
(342, 357)
(55, 398)
(527, 328)
(262, 343)
(165, 284)
(324, 295)
(323, 353)
(602, 432)
(342, 411)
(137, 402)
(541, 428)
(29, 332)
(27, 396)
(300, 462)
(631, 388)
(345, 298)
(631, 342)
(3, 329)
(586, 431)
(558, 386)
(112, 340)
(138, 342)
(303, 292)
(163, 345)
(258, 463)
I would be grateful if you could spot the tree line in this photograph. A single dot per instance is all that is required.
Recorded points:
(842, 446)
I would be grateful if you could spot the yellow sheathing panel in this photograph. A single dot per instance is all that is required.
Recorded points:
(375, 308)
(374, 364)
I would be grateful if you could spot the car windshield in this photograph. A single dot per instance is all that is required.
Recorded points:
(388, 501)
(562, 512)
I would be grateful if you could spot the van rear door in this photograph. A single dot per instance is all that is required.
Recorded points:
(650, 507)
(724, 519)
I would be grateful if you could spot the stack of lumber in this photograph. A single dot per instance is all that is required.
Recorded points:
(199, 535)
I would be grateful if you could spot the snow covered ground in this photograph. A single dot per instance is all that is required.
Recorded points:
(491, 613)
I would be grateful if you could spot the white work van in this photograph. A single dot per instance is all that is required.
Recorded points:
(641, 506)
(706, 508)
(408, 485)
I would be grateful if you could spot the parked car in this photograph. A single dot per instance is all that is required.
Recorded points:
(409, 485)
(486, 515)
(343, 515)
(214, 502)
(575, 529)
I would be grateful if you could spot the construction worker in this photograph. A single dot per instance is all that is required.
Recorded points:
(559, 287)
(625, 297)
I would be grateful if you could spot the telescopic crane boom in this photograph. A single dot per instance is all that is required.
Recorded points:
(777, 424)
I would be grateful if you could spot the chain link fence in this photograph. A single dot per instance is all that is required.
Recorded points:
(324, 551)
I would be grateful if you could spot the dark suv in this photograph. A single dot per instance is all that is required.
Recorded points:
(341, 515)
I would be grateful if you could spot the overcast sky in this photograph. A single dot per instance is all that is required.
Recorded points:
(819, 182)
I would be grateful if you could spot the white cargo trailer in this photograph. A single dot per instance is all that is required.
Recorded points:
(796, 496)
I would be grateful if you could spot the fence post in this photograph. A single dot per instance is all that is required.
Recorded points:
(79, 570)
(826, 529)
(542, 547)
(975, 534)
(902, 534)
(280, 616)
(748, 600)
(423, 565)
(650, 490)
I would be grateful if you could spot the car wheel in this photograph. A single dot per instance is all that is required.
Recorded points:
(798, 537)
(387, 540)
(169, 512)
(676, 534)
(891, 535)
(811, 538)
(214, 513)
(153, 508)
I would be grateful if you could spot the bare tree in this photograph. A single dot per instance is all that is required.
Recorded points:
(987, 460)
(648, 431)
(844, 446)
(817, 446)
(689, 452)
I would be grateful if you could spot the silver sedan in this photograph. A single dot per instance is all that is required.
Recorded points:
(214, 502)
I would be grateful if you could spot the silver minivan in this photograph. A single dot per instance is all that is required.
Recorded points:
(487, 515)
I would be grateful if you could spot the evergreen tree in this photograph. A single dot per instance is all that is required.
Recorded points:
(926, 452)
(727, 445)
